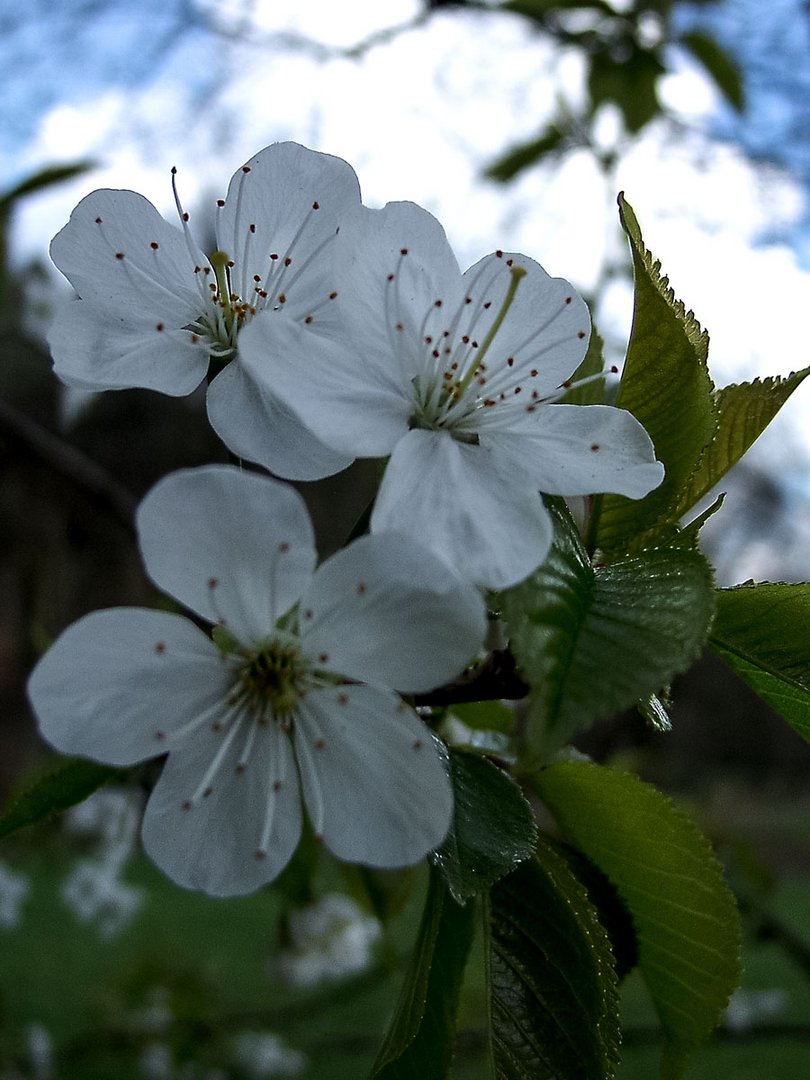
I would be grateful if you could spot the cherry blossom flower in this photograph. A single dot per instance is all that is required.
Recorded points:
(290, 698)
(154, 311)
(458, 379)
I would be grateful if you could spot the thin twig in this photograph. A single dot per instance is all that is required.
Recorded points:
(70, 462)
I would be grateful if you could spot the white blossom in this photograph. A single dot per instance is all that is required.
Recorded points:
(457, 378)
(154, 310)
(263, 1054)
(293, 697)
(329, 939)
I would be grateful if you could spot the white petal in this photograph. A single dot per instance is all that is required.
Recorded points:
(358, 401)
(118, 684)
(386, 610)
(544, 335)
(243, 832)
(107, 251)
(235, 547)
(94, 351)
(380, 288)
(286, 202)
(465, 504)
(256, 426)
(374, 784)
(579, 450)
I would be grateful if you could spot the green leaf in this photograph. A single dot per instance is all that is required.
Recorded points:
(688, 536)
(763, 632)
(631, 84)
(552, 985)
(687, 925)
(69, 782)
(43, 178)
(591, 392)
(485, 715)
(744, 410)
(419, 1043)
(717, 62)
(666, 385)
(493, 827)
(520, 157)
(591, 641)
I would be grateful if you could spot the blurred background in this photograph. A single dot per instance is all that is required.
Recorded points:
(516, 123)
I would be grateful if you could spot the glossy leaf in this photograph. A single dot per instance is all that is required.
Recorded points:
(552, 984)
(666, 385)
(763, 633)
(493, 826)
(68, 782)
(663, 869)
(591, 641)
(744, 410)
(419, 1043)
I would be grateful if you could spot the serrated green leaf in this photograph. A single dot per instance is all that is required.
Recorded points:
(493, 827)
(666, 385)
(591, 641)
(744, 410)
(551, 979)
(688, 536)
(763, 632)
(720, 66)
(686, 920)
(521, 157)
(419, 1043)
(69, 782)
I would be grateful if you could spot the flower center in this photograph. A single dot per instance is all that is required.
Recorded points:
(235, 286)
(271, 680)
(449, 389)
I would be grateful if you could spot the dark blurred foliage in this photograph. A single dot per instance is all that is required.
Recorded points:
(626, 53)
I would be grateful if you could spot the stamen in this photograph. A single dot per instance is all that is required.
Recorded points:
(517, 273)
(193, 250)
(272, 798)
(306, 735)
(204, 787)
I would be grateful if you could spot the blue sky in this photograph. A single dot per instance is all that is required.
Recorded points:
(772, 43)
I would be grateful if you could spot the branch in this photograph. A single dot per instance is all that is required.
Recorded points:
(492, 679)
(70, 462)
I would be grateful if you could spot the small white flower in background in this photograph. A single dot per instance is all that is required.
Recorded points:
(155, 1062)
(153, 309)
(13, 891)
(294, 696)
(748, 1007)
(262, 1055)
(457, 378)
(39, 1047)
(330, 939)
(93, 890)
